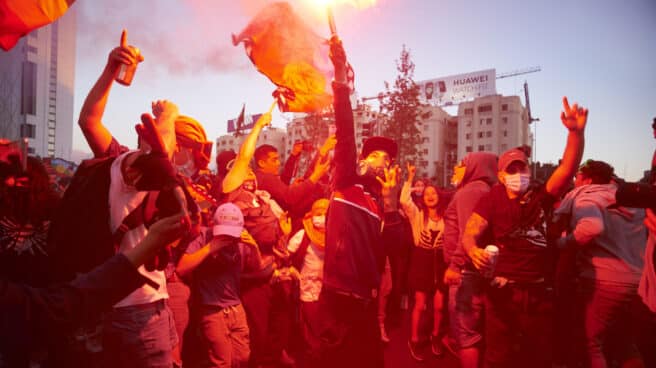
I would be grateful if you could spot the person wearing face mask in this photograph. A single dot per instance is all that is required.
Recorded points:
(519, 298)
(307, 248)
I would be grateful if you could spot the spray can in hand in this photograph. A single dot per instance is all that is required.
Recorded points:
(126, 71)
(492, 252)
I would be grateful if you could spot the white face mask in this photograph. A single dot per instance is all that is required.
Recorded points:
(187, 170)
(517, 183)
(319, 221)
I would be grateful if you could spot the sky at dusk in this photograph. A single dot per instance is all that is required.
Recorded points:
(600, 53)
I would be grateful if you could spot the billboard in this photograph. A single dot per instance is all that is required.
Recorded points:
(454, 89)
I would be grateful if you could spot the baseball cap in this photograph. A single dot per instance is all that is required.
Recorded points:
(510, 156)
(379, 143)
(228, 220)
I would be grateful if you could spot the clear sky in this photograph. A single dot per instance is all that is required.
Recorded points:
(600, 53)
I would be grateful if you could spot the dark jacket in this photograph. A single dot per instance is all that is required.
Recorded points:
(289, 197)
(480, 174)
(55, 309)
(354, 256)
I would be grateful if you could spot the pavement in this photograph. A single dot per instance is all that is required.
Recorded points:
(398, 355)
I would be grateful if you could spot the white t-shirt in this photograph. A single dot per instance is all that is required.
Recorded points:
(312, 272)
(123, 199)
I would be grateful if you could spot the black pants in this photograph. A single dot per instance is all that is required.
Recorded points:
(348, 333)
(267, 318)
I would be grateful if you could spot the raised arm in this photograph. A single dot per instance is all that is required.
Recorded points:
(236, 175)
(345, 149)
(90, 120)
(409, 206)
(574, 119)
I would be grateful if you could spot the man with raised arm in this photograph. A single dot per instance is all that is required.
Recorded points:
(519, 299)
(354, 258)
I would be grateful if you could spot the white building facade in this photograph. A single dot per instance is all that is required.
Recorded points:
(492, 124)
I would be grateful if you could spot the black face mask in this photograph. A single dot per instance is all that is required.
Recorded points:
(249, 185)
(366, 170)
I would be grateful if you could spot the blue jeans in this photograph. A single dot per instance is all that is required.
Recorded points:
(139, 336)
(466, 305)
(609, 317)
(225, 336)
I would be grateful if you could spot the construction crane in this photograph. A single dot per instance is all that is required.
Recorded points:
(533, 69)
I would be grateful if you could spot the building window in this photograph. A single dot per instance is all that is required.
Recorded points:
(469, 111)
(488, 121)
(481, 148)
(504, 107)
(504, 147)
(505, 133)
(480, 134)
(424, 140)
(485, 108)
(28, 93)
(504, 120)
(425, 151)
(468, 136)
(468, 149)
(468, 123)
(488, 134)
(488, 147)
(28, 130)
(481, 122)
(425, 127)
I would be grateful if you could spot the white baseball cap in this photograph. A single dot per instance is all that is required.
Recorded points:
(228, 220)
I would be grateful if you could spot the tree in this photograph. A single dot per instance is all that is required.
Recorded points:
(401, 103)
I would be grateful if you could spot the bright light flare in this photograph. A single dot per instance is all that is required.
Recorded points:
(328, 5)
(360, 4)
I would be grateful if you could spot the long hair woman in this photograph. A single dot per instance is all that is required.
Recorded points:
(425, 276)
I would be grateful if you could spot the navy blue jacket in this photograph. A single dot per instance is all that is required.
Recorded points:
(354, 257)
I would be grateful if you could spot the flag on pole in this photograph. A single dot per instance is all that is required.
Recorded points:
(20, 17)
(240, 120)
(292, 56)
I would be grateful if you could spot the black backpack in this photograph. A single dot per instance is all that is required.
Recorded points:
(79, 236)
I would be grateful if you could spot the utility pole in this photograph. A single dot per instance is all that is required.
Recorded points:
(535, 127)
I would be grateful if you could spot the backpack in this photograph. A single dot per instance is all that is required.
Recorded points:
(79, 235)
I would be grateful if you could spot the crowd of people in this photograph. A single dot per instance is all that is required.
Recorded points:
(150, 260)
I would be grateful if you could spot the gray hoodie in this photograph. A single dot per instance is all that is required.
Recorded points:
(612, 239)
(480, 175)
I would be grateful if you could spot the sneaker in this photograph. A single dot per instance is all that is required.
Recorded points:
(415, 351)
(450, 344)
(436, 345)
(383, 334)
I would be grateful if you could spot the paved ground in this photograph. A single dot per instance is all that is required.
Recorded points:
(397, 354)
